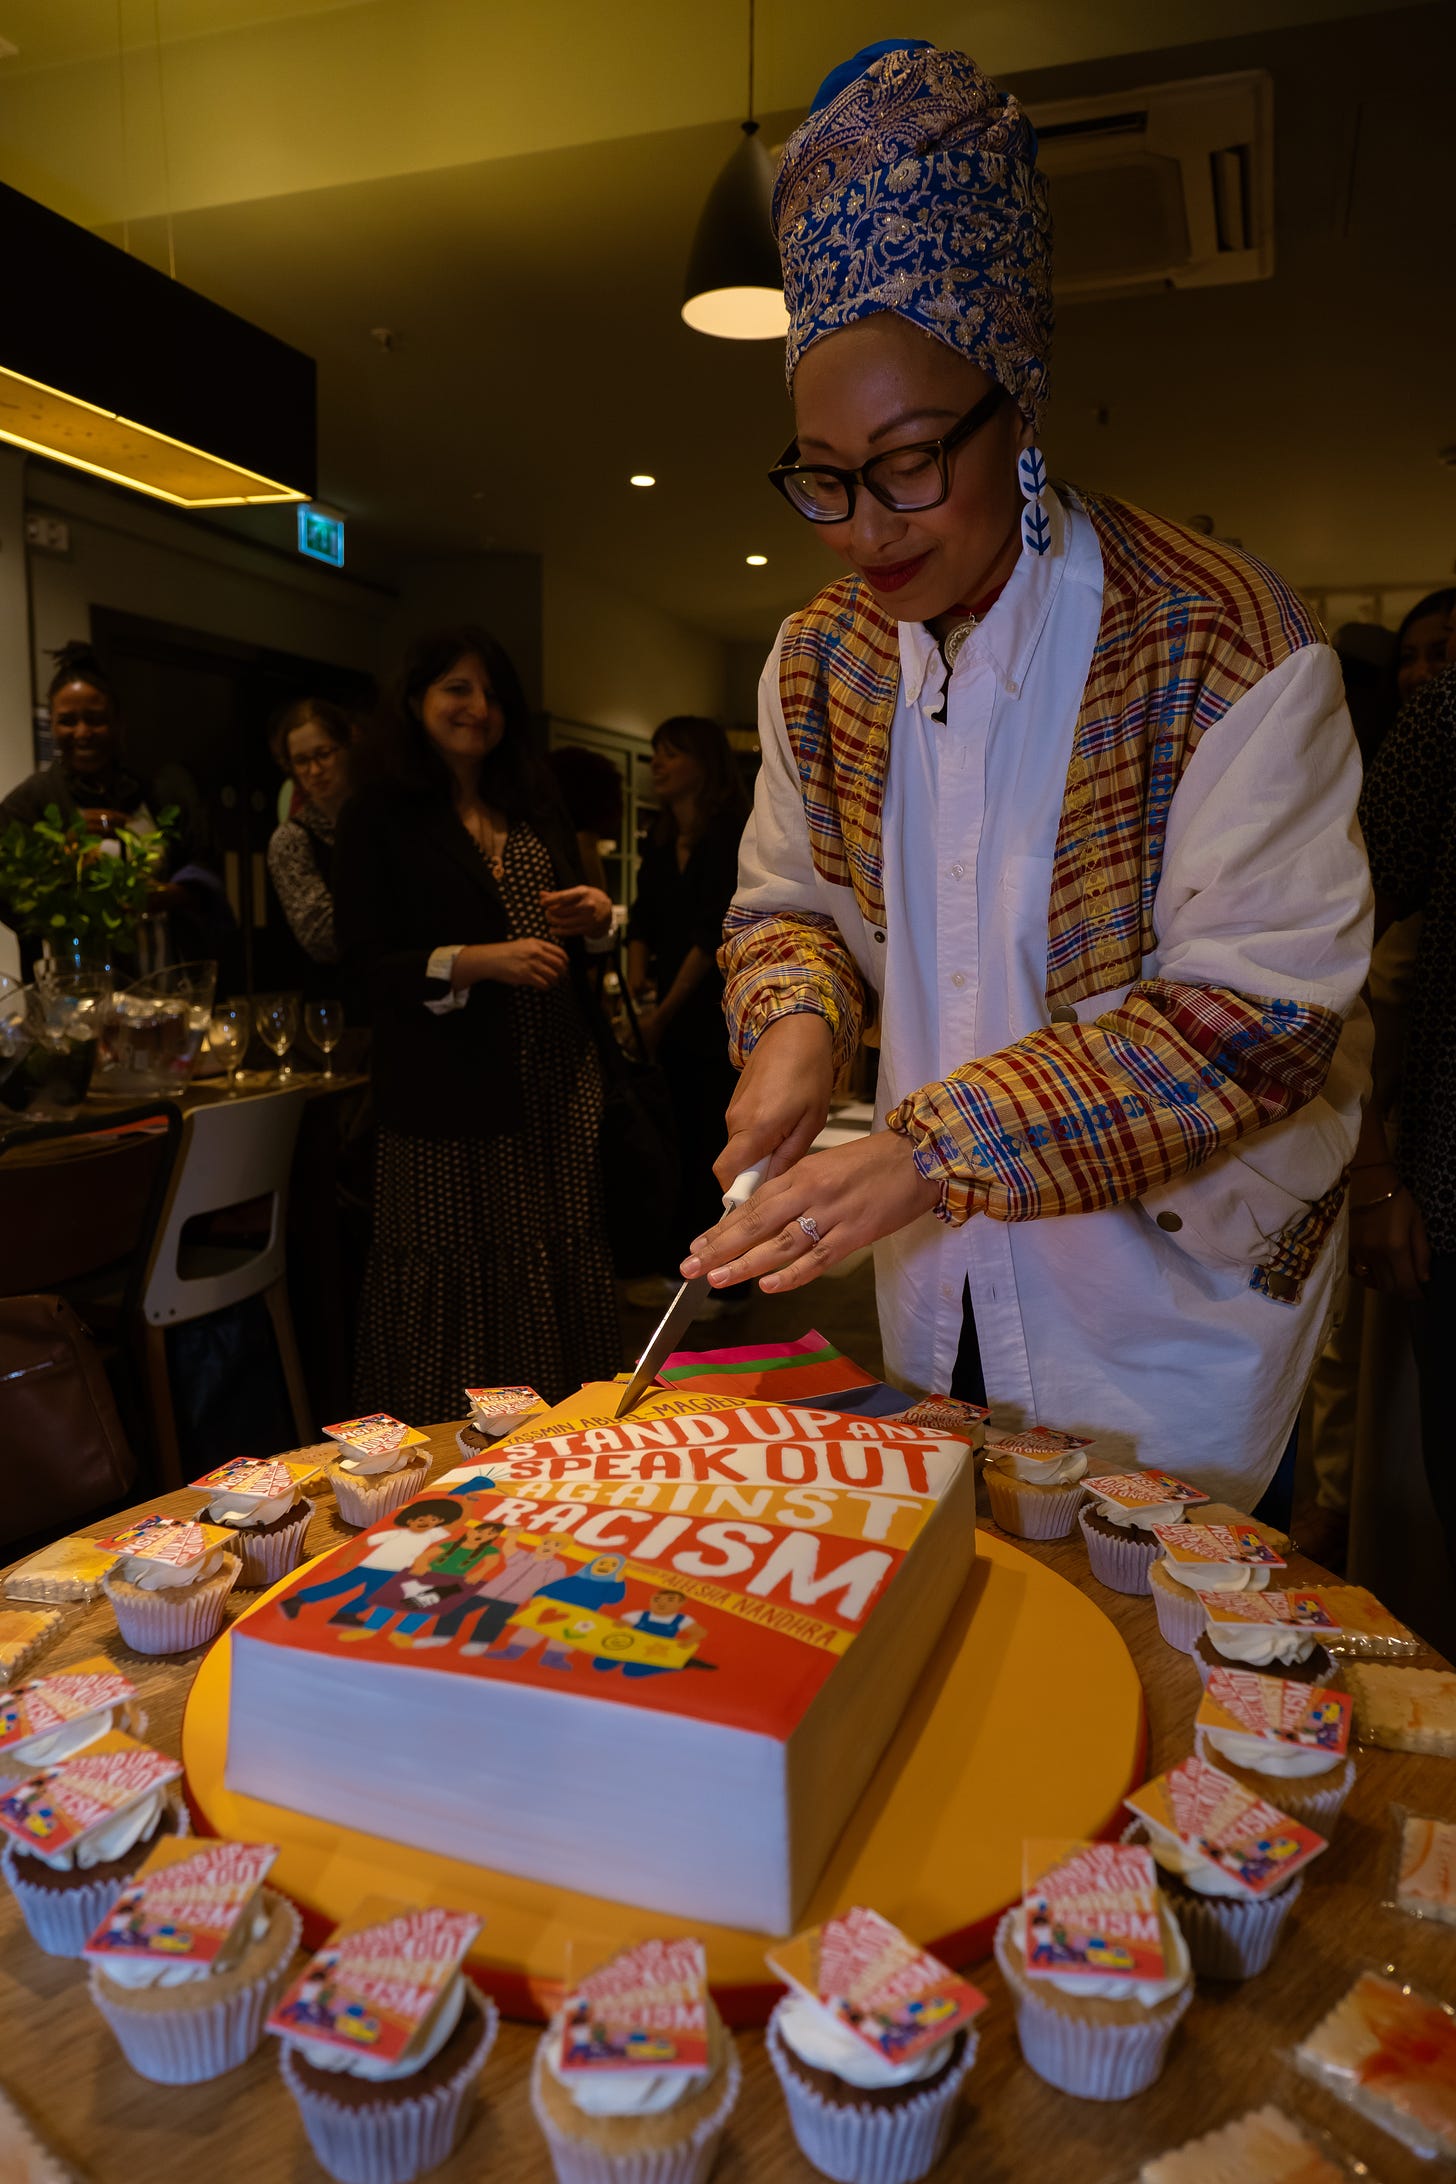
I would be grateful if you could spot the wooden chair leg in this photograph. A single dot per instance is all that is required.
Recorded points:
(164, 1418)
(276, 1299)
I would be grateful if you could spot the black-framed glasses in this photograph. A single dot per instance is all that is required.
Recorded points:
(905, 479)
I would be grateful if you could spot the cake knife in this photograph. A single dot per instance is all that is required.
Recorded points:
(685, 1306)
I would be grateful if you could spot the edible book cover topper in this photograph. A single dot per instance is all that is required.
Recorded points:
(1143, 1489)
(1306, 1610)
(54, 1808)
(1193, 1543)
(176, 1541)
(184, 1904)
(374, 1431)
(645, 2008)
(257, 1478)
(896, 1997)
(1246, 1837)
(50, 1702)
(1042, 1441)
(375, 1984)
(1090, 1911)
(504, 1402)
(1310, 1716)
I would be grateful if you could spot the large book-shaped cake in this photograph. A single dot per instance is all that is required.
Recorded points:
(654, 1659)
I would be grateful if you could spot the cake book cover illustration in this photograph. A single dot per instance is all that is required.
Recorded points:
(1246, 1837)
(644, 2009)
(1090, 1912)
(255, 1479)
(1277, 1708)
(51, 1810)
(184, 1905)
(177, 1542)
(1144, 1489)
(376, 1431)
(52, 1702)
(378, 1980)
(1305, 1610)
(705, 1559)
(893, 1995)
(1187, 1544)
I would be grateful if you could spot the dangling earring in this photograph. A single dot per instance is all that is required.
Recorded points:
(1031, 476)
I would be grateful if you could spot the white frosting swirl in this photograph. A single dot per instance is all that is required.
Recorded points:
(1258, 1645)
(246, 1515)
(54, 1744)
(1217, 1576)
(1063, 1468)
(1143, 1516)
(150, 1576)
(124, 1971)
(375, 1459)
(1270, 1755)
(112, 1838)
(1146, 1992)
(359, 2063)
(825, 2042)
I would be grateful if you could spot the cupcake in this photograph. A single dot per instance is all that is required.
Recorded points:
(1091, 2019)
(871, 2045)
(385, 2088)
(191, 1958)
(1230, 1864)
(1117, 1520)
(169, 1589)
(1280, 1740)
(50, 1717)
(381, 1466)
(1202, 1558)
(1277, 1632)
(1033, 1481)
(495, 1412)
(648, 2126)
(263, 1506)
(66, 1866)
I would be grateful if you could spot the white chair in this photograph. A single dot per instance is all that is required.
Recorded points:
(234, 1152)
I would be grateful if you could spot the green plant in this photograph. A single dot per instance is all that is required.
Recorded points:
(57, 878)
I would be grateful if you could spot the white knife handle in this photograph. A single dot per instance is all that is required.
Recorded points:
(742, 1188)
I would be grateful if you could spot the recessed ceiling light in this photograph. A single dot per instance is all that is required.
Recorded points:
(756, 561)
(641, 477)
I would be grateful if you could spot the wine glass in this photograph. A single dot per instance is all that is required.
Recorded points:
(324, 1023)
(228, 1034)
(276, 1016)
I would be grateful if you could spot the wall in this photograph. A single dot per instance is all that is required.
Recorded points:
(500, 591)
(614, 662)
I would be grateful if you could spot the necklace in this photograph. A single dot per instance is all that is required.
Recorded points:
(488, 839)
(962, 621)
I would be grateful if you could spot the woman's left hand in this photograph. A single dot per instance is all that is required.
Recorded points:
(572, 910)
(848, 1197)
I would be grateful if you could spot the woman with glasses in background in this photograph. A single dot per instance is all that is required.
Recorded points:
(1061, 798)
(310, 743)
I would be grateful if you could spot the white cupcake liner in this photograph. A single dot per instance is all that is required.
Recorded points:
(1228, 1937)
(268, 1556)
(1122, 1564)
(1182, 1616)
(364, 1500)
(178, 1617)
(390, 2141)
(190, 2044)
(1033, 1512)
(1315, 1801)
(866, 2143)
(1096, 2062)
(62, 1920)
(578, 2161)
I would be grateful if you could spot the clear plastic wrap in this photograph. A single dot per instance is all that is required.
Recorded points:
(1388, 2050)
(69, 1569)
(1368, 1630)
(1263, 2146)
(1422, 1869)
(1404, 1709)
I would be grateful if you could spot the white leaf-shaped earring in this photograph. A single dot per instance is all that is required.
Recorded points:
(1031, 476)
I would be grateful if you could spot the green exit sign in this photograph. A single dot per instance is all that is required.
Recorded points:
(321, 537)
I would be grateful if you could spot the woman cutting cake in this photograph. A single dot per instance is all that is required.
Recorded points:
(1060, 798)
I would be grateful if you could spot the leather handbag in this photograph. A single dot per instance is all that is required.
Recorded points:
(637, 1145)
(65, 1454)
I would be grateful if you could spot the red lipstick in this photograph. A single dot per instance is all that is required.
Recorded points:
(893, 575)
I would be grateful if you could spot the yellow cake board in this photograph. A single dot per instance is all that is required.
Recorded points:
(1029, 1722)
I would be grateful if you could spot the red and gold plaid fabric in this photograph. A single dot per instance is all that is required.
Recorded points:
(1076, 1116)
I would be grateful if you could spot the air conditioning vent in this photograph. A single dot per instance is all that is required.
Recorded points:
(1168, 187)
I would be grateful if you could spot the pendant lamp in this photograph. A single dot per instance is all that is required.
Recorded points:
(173, 395)
(735, 284)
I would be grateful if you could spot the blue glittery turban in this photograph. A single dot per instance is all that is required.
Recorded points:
(913, 188)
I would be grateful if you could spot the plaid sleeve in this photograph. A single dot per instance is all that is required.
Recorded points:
(788, 963)
(1080, 1116)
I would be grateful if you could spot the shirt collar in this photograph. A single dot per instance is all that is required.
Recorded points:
(1011, 632)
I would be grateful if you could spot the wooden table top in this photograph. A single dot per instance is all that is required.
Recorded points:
(58, 2060)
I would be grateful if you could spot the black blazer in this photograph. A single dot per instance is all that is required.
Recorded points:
(408, 879)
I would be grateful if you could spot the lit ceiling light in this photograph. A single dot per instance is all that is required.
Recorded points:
(756, 561)
(735, 284)
(640, 477)
(189, 403)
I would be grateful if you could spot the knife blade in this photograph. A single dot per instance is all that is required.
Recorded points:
(685, 1306)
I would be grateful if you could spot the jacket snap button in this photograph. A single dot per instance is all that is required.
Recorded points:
(1172, 1222)
(880, 937)
(1064, 1015)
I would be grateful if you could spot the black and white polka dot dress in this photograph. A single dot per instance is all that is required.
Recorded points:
(490, 1265)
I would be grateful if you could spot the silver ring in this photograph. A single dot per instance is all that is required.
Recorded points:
(810, 1227)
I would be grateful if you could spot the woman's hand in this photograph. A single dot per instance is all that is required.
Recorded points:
(848, 1197)
(781, 1101)
(572, 910)
(1388, 1247)
(536, 963)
